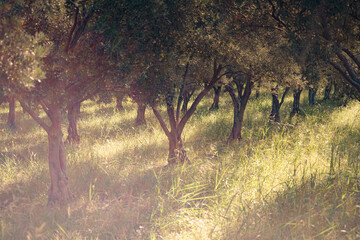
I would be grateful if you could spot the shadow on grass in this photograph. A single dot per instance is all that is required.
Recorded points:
(311, 210)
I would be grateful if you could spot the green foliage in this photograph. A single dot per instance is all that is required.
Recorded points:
(22, 56)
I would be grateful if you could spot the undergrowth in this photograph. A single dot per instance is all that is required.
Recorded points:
(294, 180)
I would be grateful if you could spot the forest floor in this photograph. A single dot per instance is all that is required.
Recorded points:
(294, 180)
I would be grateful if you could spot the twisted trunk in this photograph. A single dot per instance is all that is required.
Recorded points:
(73, 116)
(296, 103)
(59, 190)
(215, 104)
(239, 103)
(177, 152)
(276, 105)
(275, 109)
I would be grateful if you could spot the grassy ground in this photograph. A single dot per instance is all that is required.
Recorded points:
(295, 180)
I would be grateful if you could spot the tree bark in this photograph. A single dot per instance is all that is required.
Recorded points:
(59, 190)
(312, 94)
(119, 103)
(140, 118)
(275, 109)
(239, 104)
(11, 116)
(296, 103)
(73, 116)
(276, 105)
(215, 104)
(186, 100)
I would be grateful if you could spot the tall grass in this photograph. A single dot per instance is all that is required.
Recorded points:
(294, 180)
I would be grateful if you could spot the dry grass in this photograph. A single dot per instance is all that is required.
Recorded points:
(296, 180)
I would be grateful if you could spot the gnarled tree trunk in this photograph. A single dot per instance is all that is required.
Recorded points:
(59, 190)
(140, 117)
(215, 104)
(11, 116)
(177, 152)
(73, 117)
(239, 103)
(275, 108)
(296, 103)
(276, 105)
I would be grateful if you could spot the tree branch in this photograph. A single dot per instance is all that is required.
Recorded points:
(343, 73)
(170, 111)
(230, 89)
(41, 122)
(208, 87)
(349, 53)
(72, 29)
(180, 98)
(161, 121)
(45, 108)
(283, 96)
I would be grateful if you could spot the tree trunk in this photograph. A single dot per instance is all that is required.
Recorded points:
(312, 94)
(275, 109)
(239, 104)
(296, 103)
(73, 116)
(11, 116)
(327, 91)
(187, 96)
(59, 190)
(140, 118)
(215, 104)
(119, 103)
(176, 151)
(237, 124)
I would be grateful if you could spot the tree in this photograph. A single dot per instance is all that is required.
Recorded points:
(162, 41)
(55, 29)
(327, 27)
